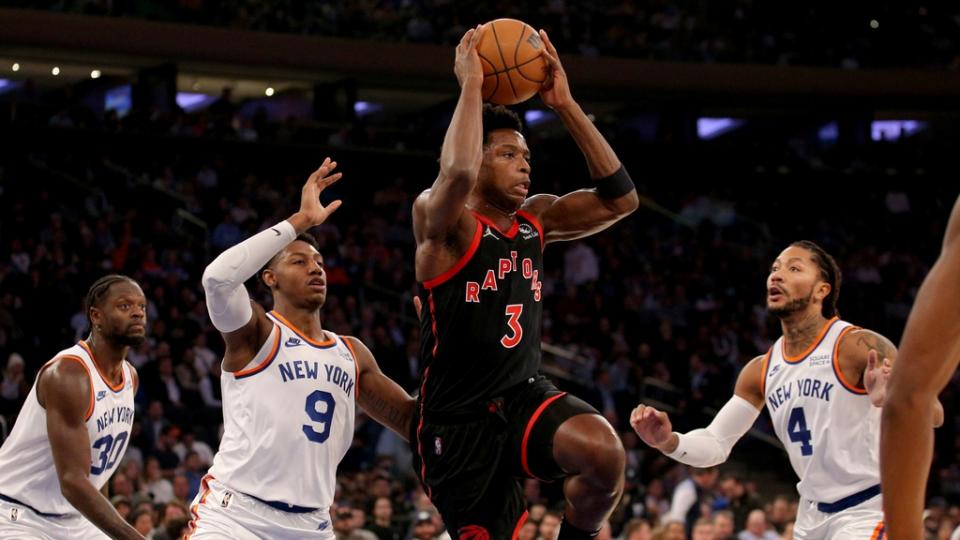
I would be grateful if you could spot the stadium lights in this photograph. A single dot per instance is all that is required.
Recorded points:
(710, 128)
(95, 74)
(15, 66)
(268, 91)
(55, 71)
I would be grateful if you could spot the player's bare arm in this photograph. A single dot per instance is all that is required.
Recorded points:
(587, 211)
(228, 299)
(384, 400)
(709, 446)
(441, 225)
(64, 390)
(866, 358)
(931, 350)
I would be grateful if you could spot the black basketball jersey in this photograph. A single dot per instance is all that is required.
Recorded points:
(480, 324)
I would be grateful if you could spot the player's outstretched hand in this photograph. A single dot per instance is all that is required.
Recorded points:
(652, 426)
(875, 377)
(466, 64)
(555, 91)
(312, 210)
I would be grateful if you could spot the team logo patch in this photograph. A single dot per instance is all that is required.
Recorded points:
(14, 514)
(437, 446)
(293, 342)
(227, 497)
(474, 532)
(101, 394)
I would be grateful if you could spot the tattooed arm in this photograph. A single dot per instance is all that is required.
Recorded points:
(384, 400)
(867, 358)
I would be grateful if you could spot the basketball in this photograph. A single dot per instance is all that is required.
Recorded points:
(513, 67)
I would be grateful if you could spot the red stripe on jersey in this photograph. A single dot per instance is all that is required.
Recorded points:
(474, 244)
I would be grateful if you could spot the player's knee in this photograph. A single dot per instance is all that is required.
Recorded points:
(607, 459)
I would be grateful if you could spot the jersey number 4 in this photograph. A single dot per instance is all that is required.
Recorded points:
(110, 450)
(798, 432)
(512, 338)
(320, 406)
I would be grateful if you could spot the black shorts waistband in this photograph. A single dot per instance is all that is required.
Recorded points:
(849, 501)
(478, 410)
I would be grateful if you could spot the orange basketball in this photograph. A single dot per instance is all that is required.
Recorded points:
(513, 68)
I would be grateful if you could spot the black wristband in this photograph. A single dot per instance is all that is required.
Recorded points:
(616, 185)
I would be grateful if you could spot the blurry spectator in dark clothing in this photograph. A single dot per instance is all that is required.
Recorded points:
(739, 501)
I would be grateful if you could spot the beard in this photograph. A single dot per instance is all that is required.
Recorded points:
(792, 306)
(127, 340)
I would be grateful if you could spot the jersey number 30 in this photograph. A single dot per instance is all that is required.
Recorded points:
(798, 432)
(110, 450)
(512, 338)
(320, 406)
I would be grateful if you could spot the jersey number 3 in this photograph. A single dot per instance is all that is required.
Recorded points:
(511, 339)
(317, 400)
(798, 432)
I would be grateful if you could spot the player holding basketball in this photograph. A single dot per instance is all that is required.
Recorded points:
(289, 386)
(930, 349)
(72, 431)
(823, 382)
(486, 415)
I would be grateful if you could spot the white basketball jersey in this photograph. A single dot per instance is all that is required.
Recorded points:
(828, 426)
(288, 419)
(27, 471)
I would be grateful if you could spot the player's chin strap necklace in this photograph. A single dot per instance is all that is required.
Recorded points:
(510, 215)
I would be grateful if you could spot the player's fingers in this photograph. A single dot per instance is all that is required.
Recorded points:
(326, 181)
(466, 37)
(417, 305)
(552, 60)
(332, 207)
(476, 36)
(547, 42)
(872, 360)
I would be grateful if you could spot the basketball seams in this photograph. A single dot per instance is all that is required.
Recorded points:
(496, 83)
(496, 39)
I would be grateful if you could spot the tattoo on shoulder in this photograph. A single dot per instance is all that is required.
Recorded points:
(876, 342)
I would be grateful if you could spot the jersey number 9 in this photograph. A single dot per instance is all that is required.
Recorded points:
(320, 406)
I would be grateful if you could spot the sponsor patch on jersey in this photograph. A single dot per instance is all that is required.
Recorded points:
(293, 342)
(101, 394)
(820, 360)
(528, 232)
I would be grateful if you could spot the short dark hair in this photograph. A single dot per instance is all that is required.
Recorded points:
(499, 117)
(303, 237)
(829, 272)
(98, 291)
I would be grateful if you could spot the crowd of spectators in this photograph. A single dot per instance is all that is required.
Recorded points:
(848, 35)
